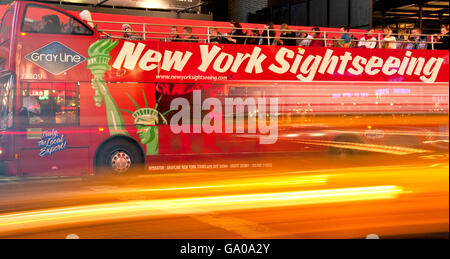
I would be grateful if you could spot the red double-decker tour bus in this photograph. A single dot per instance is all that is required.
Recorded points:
(75, 98)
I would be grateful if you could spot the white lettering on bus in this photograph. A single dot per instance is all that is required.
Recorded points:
(130, 54)
(61, 58)
(305, 67)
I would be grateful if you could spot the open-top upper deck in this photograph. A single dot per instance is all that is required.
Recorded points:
(65, 52)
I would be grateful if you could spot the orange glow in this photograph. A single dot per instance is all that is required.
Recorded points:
(123, 210)
(101, 129)
(23, 34)
(393, 150)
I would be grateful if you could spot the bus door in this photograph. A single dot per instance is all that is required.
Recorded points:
(52, 141)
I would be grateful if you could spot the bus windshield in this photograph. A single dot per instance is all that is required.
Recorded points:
(6, 103)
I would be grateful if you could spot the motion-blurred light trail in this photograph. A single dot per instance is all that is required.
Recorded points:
(244, 184)
(393, 150)
(122, 210)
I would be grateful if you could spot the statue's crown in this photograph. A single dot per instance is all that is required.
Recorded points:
(146, 116)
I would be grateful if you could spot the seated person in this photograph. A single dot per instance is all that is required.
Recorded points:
(74, 27)
(174, 36)
(129, 34)
(50, 24)
(254, 37)
(188, 36)
(217, 37)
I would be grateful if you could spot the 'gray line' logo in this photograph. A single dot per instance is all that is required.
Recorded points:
(55, 57)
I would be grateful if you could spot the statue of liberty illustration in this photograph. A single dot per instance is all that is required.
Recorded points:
(145, 120)
(98, 65)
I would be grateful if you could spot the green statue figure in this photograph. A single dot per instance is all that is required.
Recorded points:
(146, 120)
(98, 65)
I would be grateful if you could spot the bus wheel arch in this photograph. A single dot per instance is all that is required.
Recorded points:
(119, 155)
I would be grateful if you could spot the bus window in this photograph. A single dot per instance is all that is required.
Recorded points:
(5, 30)
(6, 102)
(39, 19)
(50, 104)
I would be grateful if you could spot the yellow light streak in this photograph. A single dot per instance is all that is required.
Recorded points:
(245, 184)
(132, 209)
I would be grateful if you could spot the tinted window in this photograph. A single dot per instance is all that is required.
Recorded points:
(5, 30)
(6, 102)
(39, 19)
(50, 104)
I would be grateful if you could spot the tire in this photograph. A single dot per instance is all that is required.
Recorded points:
(343, 153)
(119, 157)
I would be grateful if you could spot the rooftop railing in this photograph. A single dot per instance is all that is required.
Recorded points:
(330, 38)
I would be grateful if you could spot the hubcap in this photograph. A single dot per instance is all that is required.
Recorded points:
(120, 162)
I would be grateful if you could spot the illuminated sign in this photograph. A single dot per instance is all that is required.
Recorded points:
(55, 57)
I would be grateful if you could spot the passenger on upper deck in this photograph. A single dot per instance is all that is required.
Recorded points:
(188, 36)
(369, 40)
(267, 32)
(174, 36)
(389, 41)
(318, 39)
(416, 41)
(237, 34)
(305, 39)
(443, 41)
(216, 36)
(254, 38)
(345, 40)
(287, 37)
(129, 34)
(402, 39)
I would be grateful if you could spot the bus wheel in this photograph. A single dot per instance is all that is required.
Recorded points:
(342, 153)
(118, 157)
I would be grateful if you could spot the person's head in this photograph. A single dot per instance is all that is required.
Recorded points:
(370, 32)
(268, 25)
(344, 29)
(387, 31)
(416, 31)
(254, 32)
(126, 30)
(174, 30)
(316, 31)
(47, 20)
(284, 27)
(51, 23)
(235, 24)
(213, 31)
(444, 29)
(187, 31)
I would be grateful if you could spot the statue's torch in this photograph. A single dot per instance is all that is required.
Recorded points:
(98, 65)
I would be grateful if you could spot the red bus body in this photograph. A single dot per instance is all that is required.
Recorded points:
(317, 112)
